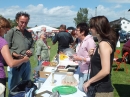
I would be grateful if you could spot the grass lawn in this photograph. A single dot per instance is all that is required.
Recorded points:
(120, 79)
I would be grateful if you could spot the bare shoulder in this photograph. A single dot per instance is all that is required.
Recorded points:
(105, 46)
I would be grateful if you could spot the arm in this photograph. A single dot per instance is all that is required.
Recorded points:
(55, 39)
(38, 50)
(88, 46)
(8, 58)
(8, 38)
(105, 51)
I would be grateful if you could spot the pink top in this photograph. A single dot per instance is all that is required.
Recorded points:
(2, 43)
(82, 50)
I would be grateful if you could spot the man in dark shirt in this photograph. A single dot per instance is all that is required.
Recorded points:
(64, 39)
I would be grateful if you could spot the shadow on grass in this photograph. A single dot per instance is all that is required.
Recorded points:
(122, 90)
(114, 65)
(120, 69)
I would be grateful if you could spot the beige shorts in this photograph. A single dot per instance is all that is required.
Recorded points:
(109, 94)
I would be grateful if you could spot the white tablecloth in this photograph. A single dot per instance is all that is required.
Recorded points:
(58, 78)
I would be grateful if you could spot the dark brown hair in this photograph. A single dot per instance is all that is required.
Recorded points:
(19, 14)
(62, 27)
(73, 32)
(83, 27)
(102, 27)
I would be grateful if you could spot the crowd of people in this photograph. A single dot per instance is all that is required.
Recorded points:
(17, 45)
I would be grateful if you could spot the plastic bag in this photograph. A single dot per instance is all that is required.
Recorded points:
(69, 52)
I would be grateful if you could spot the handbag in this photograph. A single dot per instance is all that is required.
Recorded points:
(91, 89)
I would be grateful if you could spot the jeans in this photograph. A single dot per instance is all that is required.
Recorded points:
(39, 62)
(82, 78)
(18, 73)
(78, 70)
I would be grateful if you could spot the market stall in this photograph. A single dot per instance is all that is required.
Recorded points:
(58, 77)
(61, 79)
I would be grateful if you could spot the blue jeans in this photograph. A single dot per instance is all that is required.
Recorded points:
(18, 73)
(82, 78)
(78, 70)
(39, 62)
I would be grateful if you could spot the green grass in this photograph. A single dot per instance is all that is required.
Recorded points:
(120, 79)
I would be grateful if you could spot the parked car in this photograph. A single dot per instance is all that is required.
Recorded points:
(128, 36)
(122, 38)
(126, 48)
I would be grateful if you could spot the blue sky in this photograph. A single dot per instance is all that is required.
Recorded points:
(56, 12)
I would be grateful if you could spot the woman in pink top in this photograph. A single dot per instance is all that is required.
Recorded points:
(86, 43)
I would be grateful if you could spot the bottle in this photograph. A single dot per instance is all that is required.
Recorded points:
(53, 71)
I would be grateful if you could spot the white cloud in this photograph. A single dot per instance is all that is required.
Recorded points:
(118, 6)
(109, 12)
(118, 1)
(40, 15)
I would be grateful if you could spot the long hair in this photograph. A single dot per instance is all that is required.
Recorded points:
(103, 28)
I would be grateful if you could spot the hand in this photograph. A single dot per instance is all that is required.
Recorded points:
(17, 56)
(49, 47)
(86, 85)
(39, 58)
(75, 57)
(91, 52)
(26, 58)
(71, 46)
(28, 53)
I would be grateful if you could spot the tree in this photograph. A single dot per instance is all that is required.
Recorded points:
(82, 16)
(12, 22)
(0, 15)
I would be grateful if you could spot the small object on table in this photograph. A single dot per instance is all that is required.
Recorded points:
(45, 63)
(63, 56)
(53, 80)
(69, 79)
(65, 90)
(53, 63)
(61, 67)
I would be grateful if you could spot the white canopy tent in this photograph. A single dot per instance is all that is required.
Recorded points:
(38, 28)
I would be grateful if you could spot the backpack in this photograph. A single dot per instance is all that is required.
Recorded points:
(23, 89)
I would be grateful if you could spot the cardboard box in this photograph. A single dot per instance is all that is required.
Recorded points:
(46, 71)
